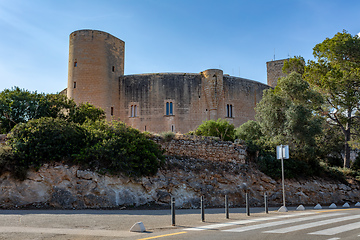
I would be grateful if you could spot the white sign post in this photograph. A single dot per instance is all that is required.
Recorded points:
(282, 152)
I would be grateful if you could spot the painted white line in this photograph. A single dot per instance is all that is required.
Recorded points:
(340, 229)
(272, 224)
(313, 224)
(240, 222)
(68, 231)
(333, 238)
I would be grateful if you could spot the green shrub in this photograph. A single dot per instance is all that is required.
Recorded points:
(46, 139)
(167, 136)
(250, 130)
(117, 148)
(268, 164)
(106, 148)
(220, 128)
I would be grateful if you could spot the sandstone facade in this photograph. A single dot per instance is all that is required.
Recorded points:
(158, 102)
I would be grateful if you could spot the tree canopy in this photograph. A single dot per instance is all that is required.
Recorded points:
(336, 75)
(20, 105)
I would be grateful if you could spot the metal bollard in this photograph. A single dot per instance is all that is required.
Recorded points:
(202, 209)
(247, 204)
(226, 207)
(266, 203)
(172, 211)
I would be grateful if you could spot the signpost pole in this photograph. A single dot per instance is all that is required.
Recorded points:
(282, 153)
(282, 173)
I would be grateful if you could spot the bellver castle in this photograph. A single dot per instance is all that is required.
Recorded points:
(157, 102)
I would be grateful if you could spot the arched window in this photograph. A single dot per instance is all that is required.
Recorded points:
(169, 108)
(132, 111)
(135, 111)
(229, 110)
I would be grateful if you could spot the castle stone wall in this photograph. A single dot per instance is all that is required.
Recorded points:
(195, 99)
(204, 148)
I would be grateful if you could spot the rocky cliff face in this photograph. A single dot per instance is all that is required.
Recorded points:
(185, 178)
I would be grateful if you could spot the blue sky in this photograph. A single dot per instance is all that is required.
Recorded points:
(238, 37)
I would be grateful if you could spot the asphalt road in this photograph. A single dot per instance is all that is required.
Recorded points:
(326, 224)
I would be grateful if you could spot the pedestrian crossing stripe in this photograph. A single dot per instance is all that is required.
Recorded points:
(336, 230)
(283, 222)
(312, 224)
(240, 222)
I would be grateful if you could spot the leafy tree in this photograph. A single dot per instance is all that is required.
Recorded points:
(220, 128)
(336, 75)
(295, 64)
(85, 111)
(249, 131)
(20, 105)
(286, 116)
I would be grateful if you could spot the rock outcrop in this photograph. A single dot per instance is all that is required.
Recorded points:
(62, 186)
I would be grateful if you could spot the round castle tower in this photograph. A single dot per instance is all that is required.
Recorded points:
(96, 61)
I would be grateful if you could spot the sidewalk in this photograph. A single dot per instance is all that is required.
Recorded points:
(109, 224)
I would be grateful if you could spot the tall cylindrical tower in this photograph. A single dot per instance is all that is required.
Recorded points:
(96, 61)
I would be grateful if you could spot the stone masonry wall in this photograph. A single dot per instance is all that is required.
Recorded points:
(204, 148)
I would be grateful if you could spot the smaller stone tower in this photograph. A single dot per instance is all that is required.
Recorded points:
(274, 71)
(213, 87)
(96, 61)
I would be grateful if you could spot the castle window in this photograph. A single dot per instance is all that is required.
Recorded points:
(75, 64)
(112, 111)
(229, 110)
(172, 128)
(113, 68)
(133, 111)
(74, 84)
(169, 108)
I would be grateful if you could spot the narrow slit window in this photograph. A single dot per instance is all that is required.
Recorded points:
(172, 128)
(132, 111)
(113, 68)
(229, 110)
(171, 109)
(112, 111)
(135, 111)
(167, 108)
(74, 84)
(75, 64)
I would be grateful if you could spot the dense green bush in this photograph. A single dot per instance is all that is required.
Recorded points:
(46, 139)
(107, 148)
(250, 130)
(220, 128)
(117, 148)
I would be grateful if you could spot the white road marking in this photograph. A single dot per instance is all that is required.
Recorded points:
(287, 221)
(220, 225)
(333, 238)
(312, 224)
(340, 229)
